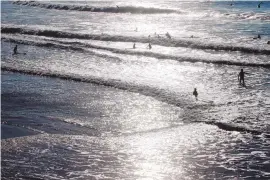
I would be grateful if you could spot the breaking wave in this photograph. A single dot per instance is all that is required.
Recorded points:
(81, 47)
(157, 41)
(122, 9)
(250, 16)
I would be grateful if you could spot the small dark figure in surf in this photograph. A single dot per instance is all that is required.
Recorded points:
(136, 30)
(258, 37)
(134, 46)
(191, 36)
(259, 5)
(268, 42)
(195, 93)
(149, 46)
(15, 49)
(241, 77)
(168, 35)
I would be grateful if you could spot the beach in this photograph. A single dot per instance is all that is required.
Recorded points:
(80, 101)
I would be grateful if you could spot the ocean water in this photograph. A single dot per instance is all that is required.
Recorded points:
(78, 102)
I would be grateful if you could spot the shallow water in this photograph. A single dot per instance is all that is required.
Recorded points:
(78, 102)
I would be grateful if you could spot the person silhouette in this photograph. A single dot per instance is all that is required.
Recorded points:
(241, 77)
(134, 46)
(168, 35)
(259, 5)
(15, 49)
(258, 37)
(195, 93)
(149, 46)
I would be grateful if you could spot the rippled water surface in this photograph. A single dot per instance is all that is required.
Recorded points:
(79, 102)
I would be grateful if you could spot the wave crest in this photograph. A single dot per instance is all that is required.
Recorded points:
(123, 9)
(82, 47)
(161, 42)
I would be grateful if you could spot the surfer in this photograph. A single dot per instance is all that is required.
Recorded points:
(134, 46)
(15, 49)
(195, 93)
(259, 5)
(258, 37)
(268, 42)
(241, 77)
(149, 46)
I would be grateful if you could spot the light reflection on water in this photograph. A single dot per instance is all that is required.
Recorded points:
(185, 152)
(107, 133)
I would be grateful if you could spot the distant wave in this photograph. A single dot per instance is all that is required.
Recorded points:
(121, 9)
(232, 127)
(77, 46)
(220, 125)
(250, 16)
(161, 41)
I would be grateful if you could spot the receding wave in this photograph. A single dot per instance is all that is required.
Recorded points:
(157, 93)
(81, 48)
(157, 41)
(232, 127)
(116, 9)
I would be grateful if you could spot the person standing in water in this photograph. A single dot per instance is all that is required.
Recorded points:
(241, 77)
(15, 49)
(149, 46)
(195, 93)
(134, 46)
(168, 35)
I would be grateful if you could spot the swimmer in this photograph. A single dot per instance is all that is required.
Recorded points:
(259, 5)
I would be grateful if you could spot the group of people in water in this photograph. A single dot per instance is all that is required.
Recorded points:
(241, 80)
(170, 37)
(241, 75)
(149, 46)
